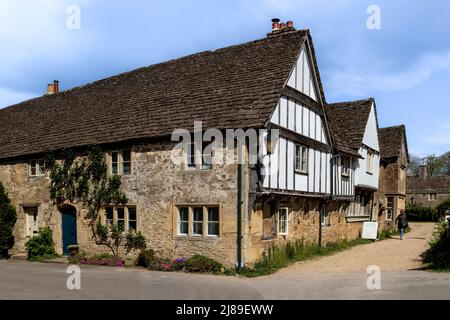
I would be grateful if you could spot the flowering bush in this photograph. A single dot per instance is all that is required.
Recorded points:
(97, 260)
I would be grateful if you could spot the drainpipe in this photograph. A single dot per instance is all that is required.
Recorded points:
(239, 216)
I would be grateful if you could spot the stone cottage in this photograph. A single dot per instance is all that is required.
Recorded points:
(427, 191)
(316, 180)
(394, 163)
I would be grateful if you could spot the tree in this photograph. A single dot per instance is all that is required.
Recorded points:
(434, 164)
(8, 219)
(445, 164)
(414, 163)
(85, 180)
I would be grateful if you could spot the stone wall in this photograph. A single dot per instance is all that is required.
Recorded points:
(304, 223)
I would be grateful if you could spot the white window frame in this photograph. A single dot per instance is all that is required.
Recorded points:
(190, 156)
(217, 222)
(180, 221)
(389, 209)
(432, 197)
(286, 220)
(301, 160)
(37, 167)
(345, 166)
(370, 156)
(126, 220)
(205, 166)
(120, 162)
(201, 222)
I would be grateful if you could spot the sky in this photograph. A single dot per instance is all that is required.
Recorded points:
(404, 64)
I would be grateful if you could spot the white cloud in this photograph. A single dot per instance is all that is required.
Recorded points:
(355, 83)
(9, 97)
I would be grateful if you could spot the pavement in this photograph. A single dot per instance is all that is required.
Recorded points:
(344, 275)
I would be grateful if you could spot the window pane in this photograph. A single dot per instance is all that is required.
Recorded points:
(183, 218)
(213, 228)
(132, 218)
(33, 167)
(109, 216)
(126, 162)
(121, 217)
(213, 221)
(41, 167)
(115, 163)
(198, 221)
(190, 155)
(206, 156)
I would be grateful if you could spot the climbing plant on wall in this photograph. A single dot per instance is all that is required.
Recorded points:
(83, 179)
(8, 219)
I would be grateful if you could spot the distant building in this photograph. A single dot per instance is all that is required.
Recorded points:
(427, 191)
(394, 162)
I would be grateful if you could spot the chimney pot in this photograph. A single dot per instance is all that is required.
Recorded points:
(282, 26)
(50, 88)
(275, 24)
(423, 172)
(55, 86)
(289, 24)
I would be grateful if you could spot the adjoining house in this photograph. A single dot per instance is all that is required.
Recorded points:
(317, 182)
(427, 191)
(394, 163)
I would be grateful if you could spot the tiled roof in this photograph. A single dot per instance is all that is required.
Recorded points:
(233, 87)
(348, 122)
(391, 141)
(433, 184)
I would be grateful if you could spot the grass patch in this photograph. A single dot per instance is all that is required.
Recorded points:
(278, 257)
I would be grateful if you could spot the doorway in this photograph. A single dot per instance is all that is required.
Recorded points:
(69, 227)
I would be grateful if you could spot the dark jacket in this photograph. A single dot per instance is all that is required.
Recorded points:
(402, 222)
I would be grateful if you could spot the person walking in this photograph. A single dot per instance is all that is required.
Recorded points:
(402, 223)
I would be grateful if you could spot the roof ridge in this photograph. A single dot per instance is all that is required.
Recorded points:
(158, 64)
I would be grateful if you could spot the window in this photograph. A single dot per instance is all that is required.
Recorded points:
(115, 163)
(432, 197)
(132, 219)
(390, 208)
(197, 223)
(121, 162)
(369, 168)
(183, 221)
(37, 168)
(121, 217)
(301, 159)
(283, 221)
(207, 156)
(125, 216)
(32, 220)
(324, 216)
(109, 212)
(345, 166)
(213, 221)
(190, 155)
(126, 162)
(361, 207)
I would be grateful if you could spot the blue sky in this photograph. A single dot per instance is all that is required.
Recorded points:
(405, 65)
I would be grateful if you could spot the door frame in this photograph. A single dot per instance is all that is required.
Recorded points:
(68, 210)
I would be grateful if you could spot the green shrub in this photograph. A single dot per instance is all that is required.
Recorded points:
(41, 246)
(146, 258)
(199, 263)
(438, 255)
(8, 219)
(421, 214)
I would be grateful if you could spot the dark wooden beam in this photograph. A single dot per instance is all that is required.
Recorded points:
(303, 99)
(298, 138)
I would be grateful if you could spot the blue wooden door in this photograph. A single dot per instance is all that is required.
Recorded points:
(69, 229)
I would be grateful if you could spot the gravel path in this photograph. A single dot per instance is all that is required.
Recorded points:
(389, 255)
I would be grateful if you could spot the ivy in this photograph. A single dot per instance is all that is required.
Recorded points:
(84, 180)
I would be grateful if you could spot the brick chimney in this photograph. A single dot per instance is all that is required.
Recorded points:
(281, 27)
(423, 172)
(53, 88)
